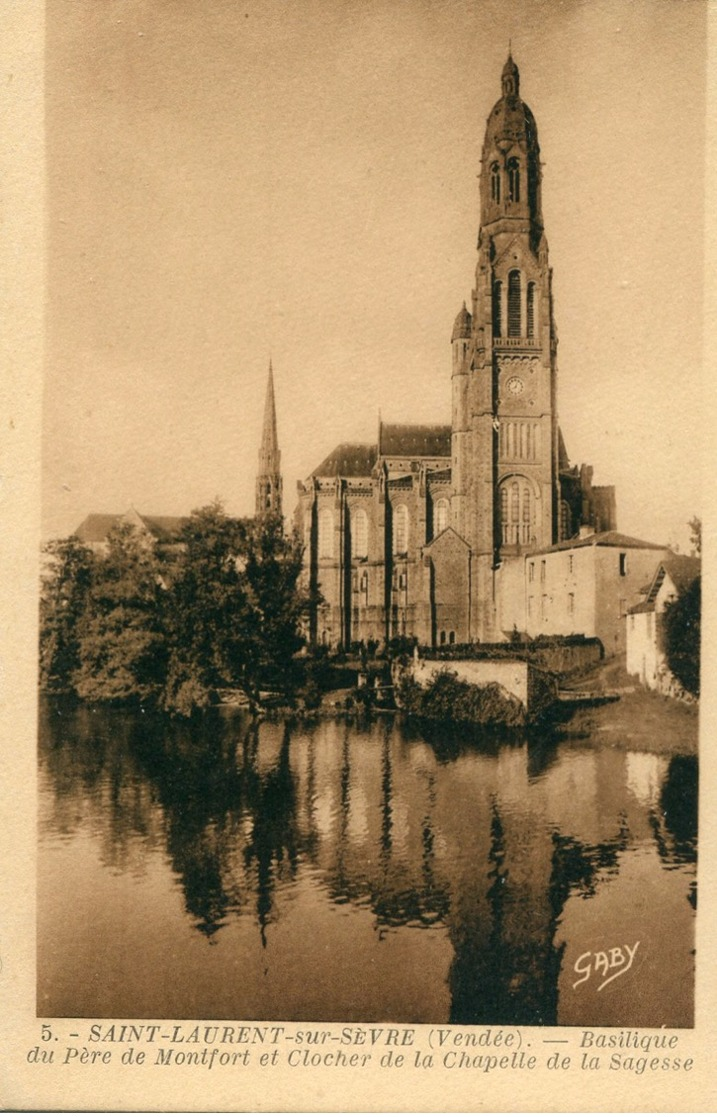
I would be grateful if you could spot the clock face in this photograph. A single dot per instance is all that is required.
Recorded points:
(515, 386)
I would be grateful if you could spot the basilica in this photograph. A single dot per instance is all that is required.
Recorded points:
(425, 532)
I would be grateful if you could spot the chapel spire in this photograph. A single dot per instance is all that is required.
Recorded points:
(268, 479)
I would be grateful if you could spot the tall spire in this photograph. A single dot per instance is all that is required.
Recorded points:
(268, 480)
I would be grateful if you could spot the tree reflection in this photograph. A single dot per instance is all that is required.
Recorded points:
(675, 827)
(477, 842)
(506, 965)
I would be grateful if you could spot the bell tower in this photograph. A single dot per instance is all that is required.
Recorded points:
(505, 432)
(268, 478)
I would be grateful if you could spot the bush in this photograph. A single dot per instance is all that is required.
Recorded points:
(681, 628)
(450, 699)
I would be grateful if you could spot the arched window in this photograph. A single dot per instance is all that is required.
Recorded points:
(514, 180)
(495, 182)
(565, 521)
(517, 512)
(440, 516)
(514, 304)
(400, 530)
(326, 533)
(497, 300)
(531, 310)
(504, 509)
(514, 504)
(359, 533)
(527, 516)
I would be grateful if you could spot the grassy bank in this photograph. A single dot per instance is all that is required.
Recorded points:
(641, 719)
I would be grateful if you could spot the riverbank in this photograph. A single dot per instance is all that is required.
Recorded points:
(640, 719)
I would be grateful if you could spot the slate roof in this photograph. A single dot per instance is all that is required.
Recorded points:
(349, 459)
(404, 440)
(95, 527)
(463, 323)
(603, 539)
(398, 440)
(164, 527)
(682, 570)
(563, 459)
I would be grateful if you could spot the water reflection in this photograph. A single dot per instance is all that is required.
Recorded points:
(483, 870)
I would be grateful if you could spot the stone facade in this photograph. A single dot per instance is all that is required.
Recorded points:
(587, 585)
(424, 533)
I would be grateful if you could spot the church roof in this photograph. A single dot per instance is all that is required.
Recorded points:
(403, 440)
(349, 459)
(397, 440)
(269, 451)
(510, 69)
(510, 118)
(563, 459)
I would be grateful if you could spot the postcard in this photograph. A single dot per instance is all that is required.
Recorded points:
(354, 659)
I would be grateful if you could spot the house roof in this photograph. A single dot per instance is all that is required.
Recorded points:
(682, 571)
(404, 440)
(602, 539)
(643, 607)
(164, 527)
(96, 527)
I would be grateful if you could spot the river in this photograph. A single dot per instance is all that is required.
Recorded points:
(353, 872)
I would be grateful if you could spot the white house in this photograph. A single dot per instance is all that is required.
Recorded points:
(587, 584)
(645, 654)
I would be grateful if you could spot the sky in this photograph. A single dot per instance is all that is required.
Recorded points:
(233, 182)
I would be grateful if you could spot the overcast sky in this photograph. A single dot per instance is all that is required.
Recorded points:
(229, 182)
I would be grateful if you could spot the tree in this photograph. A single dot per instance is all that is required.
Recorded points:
(121, 644)
(234, 610)
(695, 525)
(223, 610)
(276, 606)
(206, 610)
(63, 603)
(681, 629)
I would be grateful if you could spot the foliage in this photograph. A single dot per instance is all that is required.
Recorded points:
(401, 646)
(276, 606)
(695, 525)
(64, 591)
(450, 699)
(681, 629)
(222, 610)
(235, 610)
(204, 610)
(120, 640)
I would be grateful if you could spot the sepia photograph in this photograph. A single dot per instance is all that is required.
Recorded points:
(370, 578)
